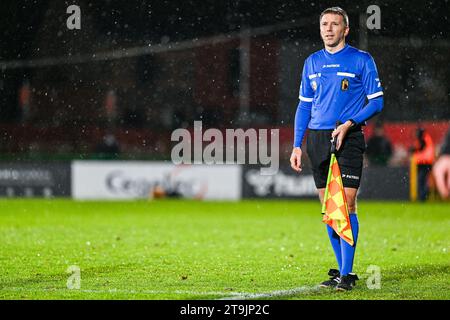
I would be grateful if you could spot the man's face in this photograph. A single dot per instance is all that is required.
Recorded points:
(333, 29)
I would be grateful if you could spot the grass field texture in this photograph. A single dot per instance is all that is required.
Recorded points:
(172, 249)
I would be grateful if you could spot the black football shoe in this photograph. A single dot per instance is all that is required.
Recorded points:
(334, 280)
(347, 282)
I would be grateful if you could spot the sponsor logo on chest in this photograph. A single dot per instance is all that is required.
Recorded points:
(331, 66)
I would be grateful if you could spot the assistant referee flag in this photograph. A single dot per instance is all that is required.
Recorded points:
(335, 204)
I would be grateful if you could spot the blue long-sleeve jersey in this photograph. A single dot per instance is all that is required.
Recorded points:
(334, 87)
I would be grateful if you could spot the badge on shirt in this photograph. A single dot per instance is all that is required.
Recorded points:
(344, 85)
(314, 85)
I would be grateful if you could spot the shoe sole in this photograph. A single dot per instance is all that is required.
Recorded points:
(342, 289)
(324, 286)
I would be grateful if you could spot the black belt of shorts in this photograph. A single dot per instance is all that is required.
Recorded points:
(356, 128)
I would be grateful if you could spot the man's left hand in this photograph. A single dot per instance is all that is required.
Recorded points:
(340, 132)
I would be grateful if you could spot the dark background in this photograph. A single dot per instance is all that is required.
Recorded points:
(159, 92)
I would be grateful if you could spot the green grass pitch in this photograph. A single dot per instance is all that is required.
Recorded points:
(174, 249)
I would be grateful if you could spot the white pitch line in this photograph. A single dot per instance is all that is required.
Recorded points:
(273, 294)
(177, 292)
(227, 295)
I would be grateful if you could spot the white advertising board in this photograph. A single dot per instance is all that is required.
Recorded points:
(138, 180)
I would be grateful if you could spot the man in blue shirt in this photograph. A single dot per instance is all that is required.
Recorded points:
(336, 83)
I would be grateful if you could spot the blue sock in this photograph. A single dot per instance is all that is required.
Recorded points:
(336, 244)
(348, 251)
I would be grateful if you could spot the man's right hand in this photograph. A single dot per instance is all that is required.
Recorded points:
(296, 159)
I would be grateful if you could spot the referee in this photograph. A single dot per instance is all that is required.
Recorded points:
(336, 82)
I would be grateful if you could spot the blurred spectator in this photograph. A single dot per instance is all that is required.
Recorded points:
(423, 152)
(379, 149)
(111, 108)
(441, 169)
(109, 147)
(25, 100)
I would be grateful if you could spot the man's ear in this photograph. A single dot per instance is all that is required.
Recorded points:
(346, 31)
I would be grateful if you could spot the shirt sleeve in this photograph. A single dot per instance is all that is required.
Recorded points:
(303, 113)
(306, 93)
(373, 91)
(371, 81)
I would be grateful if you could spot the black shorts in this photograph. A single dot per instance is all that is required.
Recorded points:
(349, 157)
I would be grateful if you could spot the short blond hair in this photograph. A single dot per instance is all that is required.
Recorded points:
(336, 10)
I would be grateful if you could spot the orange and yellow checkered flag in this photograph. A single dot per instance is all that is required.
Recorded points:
(335, 204)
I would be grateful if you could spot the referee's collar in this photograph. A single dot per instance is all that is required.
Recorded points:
(337, 52)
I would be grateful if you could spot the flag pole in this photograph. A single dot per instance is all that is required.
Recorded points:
(333, 155)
